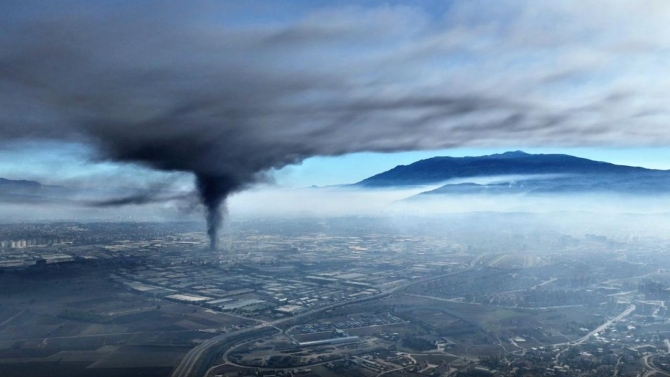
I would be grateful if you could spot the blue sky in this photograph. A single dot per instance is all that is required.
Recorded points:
(355, 167)
(72, 164)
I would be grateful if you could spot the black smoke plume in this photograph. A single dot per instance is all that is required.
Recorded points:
(213, 191)
(141, 198)
(191, 87)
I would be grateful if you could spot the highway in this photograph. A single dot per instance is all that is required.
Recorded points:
(607, 324)
(600, 328)
(649, 365)
(189, 362)
(12, 317)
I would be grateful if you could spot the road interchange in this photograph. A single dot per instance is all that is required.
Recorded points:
(188, 365)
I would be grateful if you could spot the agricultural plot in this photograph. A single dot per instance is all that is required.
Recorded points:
(81, 324)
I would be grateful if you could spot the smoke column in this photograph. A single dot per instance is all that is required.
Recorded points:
(213, 192)
(189, 87)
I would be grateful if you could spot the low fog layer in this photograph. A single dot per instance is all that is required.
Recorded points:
(270, 201)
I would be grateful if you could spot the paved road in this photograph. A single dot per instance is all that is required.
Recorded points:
(607, 324)
(13, 317)
(649, 365)
(189, 362)
(97, 335)
(600, 328)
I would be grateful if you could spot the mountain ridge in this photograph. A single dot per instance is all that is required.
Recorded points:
(6, 183)
(439, 169)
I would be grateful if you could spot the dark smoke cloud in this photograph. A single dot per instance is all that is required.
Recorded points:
(185, 87)
(137, 199)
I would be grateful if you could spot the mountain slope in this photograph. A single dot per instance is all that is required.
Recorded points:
(19, 185)
(636, 184)
(439, 169)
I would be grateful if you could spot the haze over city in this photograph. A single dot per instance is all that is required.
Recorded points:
(327, 188)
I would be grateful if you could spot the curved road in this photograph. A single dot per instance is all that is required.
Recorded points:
(189, 362)
(648, 363)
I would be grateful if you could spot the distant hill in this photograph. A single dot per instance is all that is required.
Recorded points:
(636, 184)
(27, 192)
(19, 185)
(23, 191)
(440, 169)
